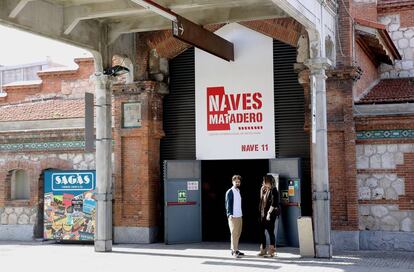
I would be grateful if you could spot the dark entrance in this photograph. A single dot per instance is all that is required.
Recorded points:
(216, 180)
(290, 140)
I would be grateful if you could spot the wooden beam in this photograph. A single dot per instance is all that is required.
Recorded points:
(203, 39)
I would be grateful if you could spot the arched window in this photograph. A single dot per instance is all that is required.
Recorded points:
(20, 187)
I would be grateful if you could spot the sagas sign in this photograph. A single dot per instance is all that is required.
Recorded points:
(234, 100)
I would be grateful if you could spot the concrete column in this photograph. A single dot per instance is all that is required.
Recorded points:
(103, 231)
(320, 177)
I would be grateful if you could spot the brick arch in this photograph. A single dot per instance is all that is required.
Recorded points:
(32, 170)
(286, 30)
(49, 163)
(56, 163)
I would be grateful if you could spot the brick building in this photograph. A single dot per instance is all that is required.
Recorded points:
(42, 127)
(369, 116)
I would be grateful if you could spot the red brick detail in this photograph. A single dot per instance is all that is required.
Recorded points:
(137, 159)
(51, 81)
(370, 23)
(384, 123)
(394, 6)
(404, 8)
(407, 18)
(406, 202)
(344, 56)
(34, 172)
(370, 71)
(286, 30)
(19, 93)
(341, 155)
(365, 11)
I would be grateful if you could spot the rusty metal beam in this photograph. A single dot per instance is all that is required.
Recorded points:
(200, 37)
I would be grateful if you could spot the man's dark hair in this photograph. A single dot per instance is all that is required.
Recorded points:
(236, 177)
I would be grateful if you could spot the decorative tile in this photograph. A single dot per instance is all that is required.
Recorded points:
(40, 146)
(385, 134)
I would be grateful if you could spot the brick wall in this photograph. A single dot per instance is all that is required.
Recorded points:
(34, 161)
(341, 153)
(70, 83)
(344, 56)
(137, 162)
(369, 73)
(366, 10)
(19, 93)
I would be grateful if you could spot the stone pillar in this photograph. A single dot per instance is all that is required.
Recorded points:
(320, 177)
(103, 231)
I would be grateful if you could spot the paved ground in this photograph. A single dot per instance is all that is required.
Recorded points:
(213, 257)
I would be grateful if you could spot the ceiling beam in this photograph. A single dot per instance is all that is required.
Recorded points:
(75, 14)
(197, 15)
(46, 19)
(18, 8)
(121, 8)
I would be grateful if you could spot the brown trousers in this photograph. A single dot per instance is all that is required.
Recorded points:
(235, 225)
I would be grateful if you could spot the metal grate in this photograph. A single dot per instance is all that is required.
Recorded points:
(291, 140)
(179, 110)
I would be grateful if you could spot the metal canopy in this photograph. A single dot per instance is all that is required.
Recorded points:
(81, 22)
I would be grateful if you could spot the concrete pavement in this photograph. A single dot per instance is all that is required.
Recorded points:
(47, 256)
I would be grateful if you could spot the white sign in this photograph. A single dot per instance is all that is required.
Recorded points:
(192, 185)
(234, 100)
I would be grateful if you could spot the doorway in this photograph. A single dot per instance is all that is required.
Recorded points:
(216, 180)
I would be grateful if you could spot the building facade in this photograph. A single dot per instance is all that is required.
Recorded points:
(370, 142)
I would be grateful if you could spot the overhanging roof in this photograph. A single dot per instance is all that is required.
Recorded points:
(86, 22)
(376, 42)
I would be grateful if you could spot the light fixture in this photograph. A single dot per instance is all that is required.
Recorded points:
(115, 71)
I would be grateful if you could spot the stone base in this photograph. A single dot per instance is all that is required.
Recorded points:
(135, 235)
(16, 232)
(373, 240)
(386, 240)
(323, 251)
(345, 240)
(103, 245)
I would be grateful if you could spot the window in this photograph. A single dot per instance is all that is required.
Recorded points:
(20, 187)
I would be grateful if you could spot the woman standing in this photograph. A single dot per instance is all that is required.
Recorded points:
(268, 210)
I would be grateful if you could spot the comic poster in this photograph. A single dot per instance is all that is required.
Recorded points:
(69, 205)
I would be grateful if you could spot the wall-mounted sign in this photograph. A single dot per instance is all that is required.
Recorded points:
(182, 196)
(131, 115)
(234, 100)
(192, 185)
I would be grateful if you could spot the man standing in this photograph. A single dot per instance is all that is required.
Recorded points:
(234, 214)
